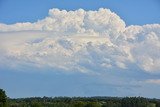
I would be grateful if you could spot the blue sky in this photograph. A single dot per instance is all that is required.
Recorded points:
(99, 53)
(134, 12)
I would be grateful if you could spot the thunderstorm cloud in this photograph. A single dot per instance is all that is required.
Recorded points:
(82, 41)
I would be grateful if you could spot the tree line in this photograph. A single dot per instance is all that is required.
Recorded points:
(77, 101)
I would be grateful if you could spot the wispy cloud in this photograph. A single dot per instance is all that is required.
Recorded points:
(153, 81)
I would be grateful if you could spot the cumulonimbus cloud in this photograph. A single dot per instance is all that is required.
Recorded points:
(84, 41)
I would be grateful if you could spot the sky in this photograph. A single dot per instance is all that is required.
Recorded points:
(80, 48)
(137, 12)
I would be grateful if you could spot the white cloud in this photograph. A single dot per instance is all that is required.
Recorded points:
(80, 40)
(153, 81)
(71, 22)
(145, 46)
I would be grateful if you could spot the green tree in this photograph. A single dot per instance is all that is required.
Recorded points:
(111, 104)
(151, 105)
(3, 98)
(93, 104)
(78, 104)
(36, 104)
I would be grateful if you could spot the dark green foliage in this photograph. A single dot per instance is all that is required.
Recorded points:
(36, 104)
(134, 102)
(93, 104)
(84, 102)
(77, 101)
(3, 98)
(78, 104)
(111, 104)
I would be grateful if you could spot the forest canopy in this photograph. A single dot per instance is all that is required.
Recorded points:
(77, 101)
